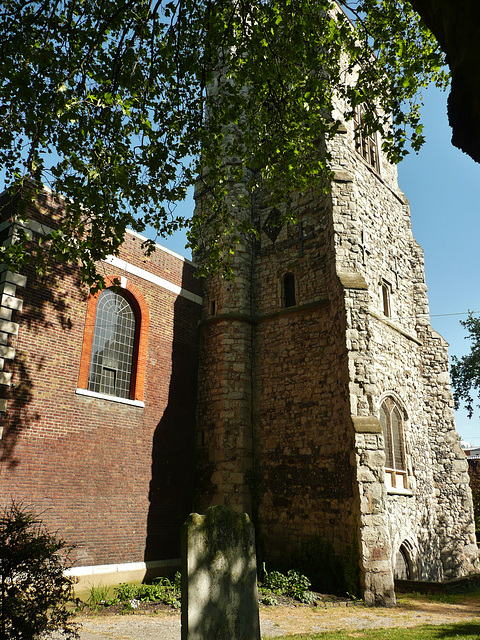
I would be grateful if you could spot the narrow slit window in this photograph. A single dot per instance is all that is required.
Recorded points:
(289, 298)
(385, 293)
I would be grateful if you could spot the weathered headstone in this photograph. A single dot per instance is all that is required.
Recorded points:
(219, 577)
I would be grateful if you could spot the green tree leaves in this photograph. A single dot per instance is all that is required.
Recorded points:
(465, 371)
(120, 105)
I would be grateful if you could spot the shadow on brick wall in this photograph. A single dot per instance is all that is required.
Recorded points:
(45, 305)
(171, 485)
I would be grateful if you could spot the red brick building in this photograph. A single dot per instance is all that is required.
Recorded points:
(98, 440)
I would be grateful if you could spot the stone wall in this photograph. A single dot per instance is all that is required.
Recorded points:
(303, 434)
(9, 303)
(224, 411)
(307, 379)
(402, 357)
(278, 374)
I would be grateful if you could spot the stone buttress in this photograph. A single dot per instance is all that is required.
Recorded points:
(414, 502)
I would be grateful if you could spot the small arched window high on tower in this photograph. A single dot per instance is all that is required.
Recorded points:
(288, 290)
(365, 144)
(392, 422)
(386, 297)
(113, 349)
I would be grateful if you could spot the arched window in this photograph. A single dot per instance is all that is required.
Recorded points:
(114, 351)
(391, 420)
(289, 297)
(386, 293)
(365, 144)
(111, 364)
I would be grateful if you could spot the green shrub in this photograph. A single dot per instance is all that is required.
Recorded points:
(34, 591)
(297, 585)
(270, 601)
(125, 592)
(292, 585)
(160, 590)
(308, 597)
(275, 582)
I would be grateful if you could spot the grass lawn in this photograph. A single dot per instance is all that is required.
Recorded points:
(466, 630)
(463, 631)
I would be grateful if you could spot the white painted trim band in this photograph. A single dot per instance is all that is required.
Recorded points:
(117, 568)
(103, 396)
(150, 277)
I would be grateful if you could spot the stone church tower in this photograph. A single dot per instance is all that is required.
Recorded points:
(324, 400)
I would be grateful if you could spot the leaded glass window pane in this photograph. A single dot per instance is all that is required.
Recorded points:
(113, 346)
(398, 439)
(384, 421)
(392, 427)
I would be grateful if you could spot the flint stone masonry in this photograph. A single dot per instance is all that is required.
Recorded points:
(219, 577)
(294, 437)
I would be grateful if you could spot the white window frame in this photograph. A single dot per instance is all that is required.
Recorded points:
(396, 479)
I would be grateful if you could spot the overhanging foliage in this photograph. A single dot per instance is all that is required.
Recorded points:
(111, 104)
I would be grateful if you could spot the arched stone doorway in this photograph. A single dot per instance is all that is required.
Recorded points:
(403, 569)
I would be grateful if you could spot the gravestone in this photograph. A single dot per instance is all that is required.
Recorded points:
(219, 577)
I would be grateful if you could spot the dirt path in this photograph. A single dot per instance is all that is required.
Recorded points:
(277, 621)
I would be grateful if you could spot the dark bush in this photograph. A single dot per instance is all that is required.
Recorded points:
(34, 591)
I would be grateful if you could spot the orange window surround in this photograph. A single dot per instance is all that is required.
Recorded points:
(142, 317)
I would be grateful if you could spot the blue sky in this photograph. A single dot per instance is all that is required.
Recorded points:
(443, 187)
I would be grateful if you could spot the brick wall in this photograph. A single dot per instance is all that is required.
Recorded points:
(113, 478)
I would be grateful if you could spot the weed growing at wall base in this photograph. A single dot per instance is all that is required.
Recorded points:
(130, 596)
(292, 585)
(98, 596)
